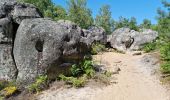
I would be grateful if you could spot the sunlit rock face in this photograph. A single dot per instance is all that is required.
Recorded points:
(124, 39)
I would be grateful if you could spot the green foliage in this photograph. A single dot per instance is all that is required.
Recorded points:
(133, 24)
(148, 47)
(79, 13)
(146, 24)
(165, 67)
(128, 23)
(76, 82)
(80, 73)
(96, 48)
(104, 19)
(40, 83)
(76, 70)
(43, 5)
(8, 91)
(108, 74)
(85, 67)
(56, 12)
(165, 52)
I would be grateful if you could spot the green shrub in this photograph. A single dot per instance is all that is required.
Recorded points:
(108, 74)
(40, 83)
(148, 47)
(76, 70)
(76, 82)
(80, 73)
(85, 67)
(165, 52)
(96, 48)
(165, 67)
(8, 91)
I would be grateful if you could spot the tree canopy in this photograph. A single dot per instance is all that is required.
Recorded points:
(104, 19)
(79, 13)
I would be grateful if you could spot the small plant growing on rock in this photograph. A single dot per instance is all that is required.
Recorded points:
(96, 48)
(8, 91)
(39, 85)
(76, 82)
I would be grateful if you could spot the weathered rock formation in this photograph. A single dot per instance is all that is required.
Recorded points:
(31, 45)
(124, 39)
(11, 14)
(43, 47)
(94, 34)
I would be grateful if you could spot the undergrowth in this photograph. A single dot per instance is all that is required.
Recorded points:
(97, 48)
(7, 89)
(82, 72)
(148, 47)
(40, 83)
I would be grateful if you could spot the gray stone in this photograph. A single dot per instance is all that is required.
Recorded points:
(6, 31)
(150, 63)
(43, 47)
(94, 34)
(124, 39)
(19, 11)
(8, 70)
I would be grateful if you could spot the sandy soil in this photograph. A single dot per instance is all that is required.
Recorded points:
(132, 83)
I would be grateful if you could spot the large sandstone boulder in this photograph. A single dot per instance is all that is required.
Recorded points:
(11, 15)
(18, 11)
(94, 34)
(8, 69)
(43, 47)
(124, 39)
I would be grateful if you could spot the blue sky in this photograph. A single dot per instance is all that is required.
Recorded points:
(140, 9)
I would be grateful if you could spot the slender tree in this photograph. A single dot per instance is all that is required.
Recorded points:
(79, 13)
(146, 24)
(104, 19)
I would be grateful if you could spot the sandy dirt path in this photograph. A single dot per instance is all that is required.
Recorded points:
(132, 83)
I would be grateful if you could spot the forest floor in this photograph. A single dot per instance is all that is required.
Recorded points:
(133, 82)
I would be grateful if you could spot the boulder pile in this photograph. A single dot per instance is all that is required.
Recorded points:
(31, 45)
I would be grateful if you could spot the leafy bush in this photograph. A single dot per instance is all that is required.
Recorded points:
(96, 48)
(76, 82)
(165, 67)
(85, 67)
(8, 91)
(148, 47)
(39, 85)
(165, 52)
(80, 73)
